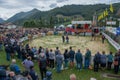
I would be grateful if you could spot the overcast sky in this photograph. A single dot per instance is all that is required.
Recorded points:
(10, 7)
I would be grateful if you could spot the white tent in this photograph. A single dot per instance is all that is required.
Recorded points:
(70, 25)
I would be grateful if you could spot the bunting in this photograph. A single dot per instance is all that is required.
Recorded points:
(106, 12)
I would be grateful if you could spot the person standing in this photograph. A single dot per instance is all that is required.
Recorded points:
(59, 61)
(119, 58)
(51, 58)
(103, 60)
(87, 59)
(33, 74)
(8, 51)
(66, 58)
(96, 61)
(116, 64)
(57, 51)
(103, 39)
(18, 48)
(14, 67)
(43, 66)
(109, 60)
(63, 38)
(79, 59)
(67, 39)
(71, 53)
(1, 44)
(27, 63)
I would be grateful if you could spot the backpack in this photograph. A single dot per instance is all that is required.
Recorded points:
(15, 68)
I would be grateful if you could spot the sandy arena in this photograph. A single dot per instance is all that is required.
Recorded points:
(81, 43)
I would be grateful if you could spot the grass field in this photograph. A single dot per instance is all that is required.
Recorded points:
(53, 41)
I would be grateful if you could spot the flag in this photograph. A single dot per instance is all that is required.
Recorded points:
(65, 19)
(111, 8)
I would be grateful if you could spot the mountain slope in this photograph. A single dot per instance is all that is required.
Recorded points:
(85, 11)
(22, 15)
(1, 20)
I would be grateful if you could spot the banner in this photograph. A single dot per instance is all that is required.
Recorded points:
(118, 31)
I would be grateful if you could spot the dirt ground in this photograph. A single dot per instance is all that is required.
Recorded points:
(80, 42)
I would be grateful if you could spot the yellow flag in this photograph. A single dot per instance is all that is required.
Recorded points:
(106, 12)
(111, 8)
(65, 19)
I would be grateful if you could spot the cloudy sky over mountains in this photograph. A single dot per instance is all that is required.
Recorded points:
(10, 7)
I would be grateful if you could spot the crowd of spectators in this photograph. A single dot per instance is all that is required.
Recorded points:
(46, 57)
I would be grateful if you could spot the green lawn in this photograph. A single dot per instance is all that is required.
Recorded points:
(84, 74)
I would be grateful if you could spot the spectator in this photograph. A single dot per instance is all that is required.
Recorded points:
(87, 59)
(103, 60)
(43, 66)
(59, 61)
(11, 76)
(18, 47)
(8, 51)
(47, 56)
(23, 53)
(119, 58)
(57, 50)
(26, 76)
(78, 58)
(14, 67)
(33, 74)
(39, 50)
(72, 77)
(96, 61)
(51, 58)
(110, 60)
(27, 63)
(116, 65)
(0, 44)
(66, 58)
(71, 53)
